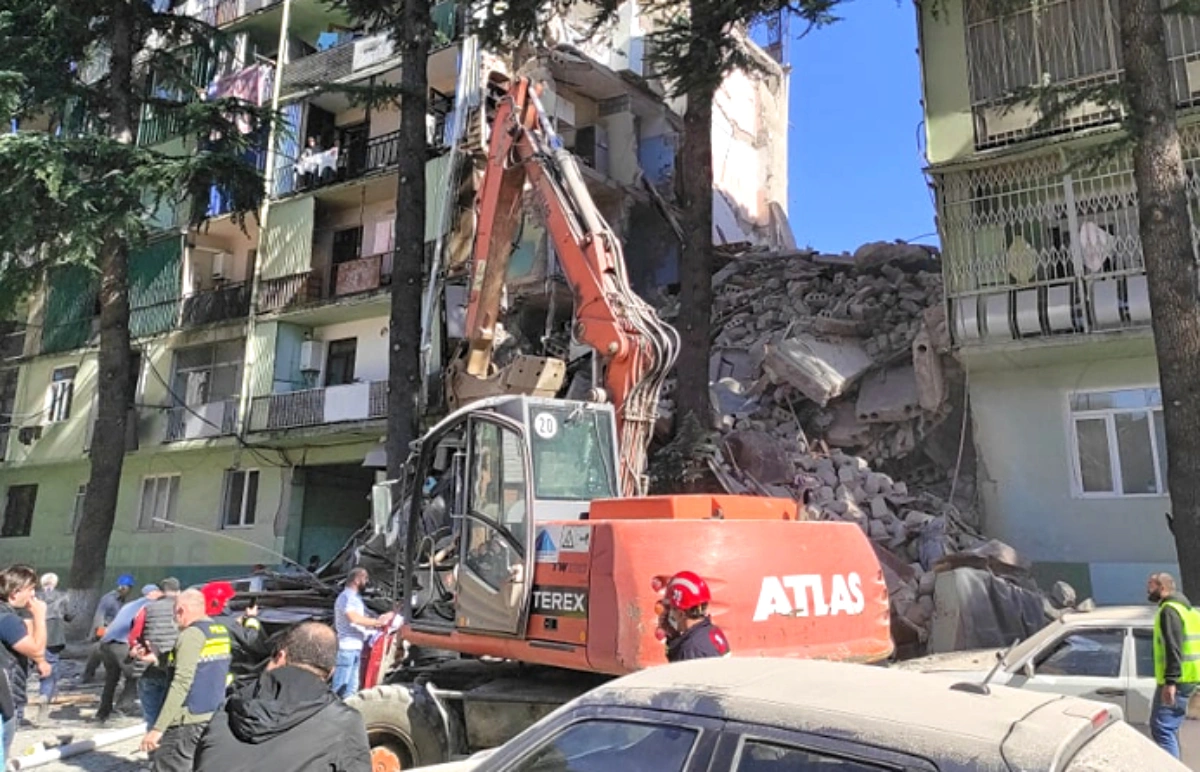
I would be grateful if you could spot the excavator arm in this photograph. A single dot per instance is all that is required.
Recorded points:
(633, 348)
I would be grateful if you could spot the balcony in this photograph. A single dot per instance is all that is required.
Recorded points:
(1046, 247)
(217, 305)
(336, 64)
(352, 277)
(318, 407)
(337, 165)
(221, 12)
(198, 422)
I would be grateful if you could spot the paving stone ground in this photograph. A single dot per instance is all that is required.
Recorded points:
(71, 719)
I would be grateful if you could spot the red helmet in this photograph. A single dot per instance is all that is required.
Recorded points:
(687, 590)
(216, 595)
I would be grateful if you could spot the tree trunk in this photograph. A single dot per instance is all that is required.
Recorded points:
(1165, 232)
(695, 264)
(404, 361)
(107, 452)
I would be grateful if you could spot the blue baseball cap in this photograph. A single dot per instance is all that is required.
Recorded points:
(125, 580)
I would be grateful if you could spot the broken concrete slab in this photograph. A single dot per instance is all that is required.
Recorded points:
(906, 257)
(820, 369)
(927, 363)
(760, 456)
(888, 396)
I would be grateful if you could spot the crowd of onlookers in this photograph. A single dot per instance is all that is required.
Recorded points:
(215, 692)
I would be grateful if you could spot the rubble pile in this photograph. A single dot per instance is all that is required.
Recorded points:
(826, 371)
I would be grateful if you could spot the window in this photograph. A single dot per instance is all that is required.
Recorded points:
(603, 745)
(241, 498)
(572, 454)
(1143, 647)
(77, 509)
(1120, 443)
(339, 364)
(159, 499)
(18, 511)
(1092, 654)
(58, 397)
(497, 493)
(208, 374)
(757, 756)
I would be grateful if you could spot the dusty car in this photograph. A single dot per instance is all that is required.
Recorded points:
(783, 715)
(1106, 654)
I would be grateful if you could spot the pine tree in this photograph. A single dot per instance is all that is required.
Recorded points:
(75, 77)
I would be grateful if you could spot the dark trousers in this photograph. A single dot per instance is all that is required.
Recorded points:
(177, 748)
(116, 664)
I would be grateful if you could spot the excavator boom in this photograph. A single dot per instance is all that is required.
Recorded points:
(633, 348)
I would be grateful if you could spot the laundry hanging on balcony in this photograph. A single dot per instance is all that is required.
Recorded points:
(252, 85)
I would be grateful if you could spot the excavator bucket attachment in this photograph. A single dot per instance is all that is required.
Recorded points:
(532, 375)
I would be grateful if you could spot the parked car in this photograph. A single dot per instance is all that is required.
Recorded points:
(783, 715)
(1106, 654)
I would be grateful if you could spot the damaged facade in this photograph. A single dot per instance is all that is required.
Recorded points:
(1046, 290)
(261, 355)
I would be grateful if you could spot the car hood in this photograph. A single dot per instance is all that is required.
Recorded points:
(976, 660)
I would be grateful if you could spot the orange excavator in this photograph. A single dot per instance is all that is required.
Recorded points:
(530, 558)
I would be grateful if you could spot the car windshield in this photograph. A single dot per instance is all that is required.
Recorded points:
(572, 453)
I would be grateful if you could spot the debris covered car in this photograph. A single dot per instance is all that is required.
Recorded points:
(775, 715)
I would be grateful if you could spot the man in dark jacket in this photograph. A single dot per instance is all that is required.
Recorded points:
(289, 718)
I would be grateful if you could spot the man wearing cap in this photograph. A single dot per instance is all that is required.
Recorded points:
(114, 648)
(106, 611)
(154, 630)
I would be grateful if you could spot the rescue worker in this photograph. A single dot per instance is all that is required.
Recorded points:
(199, 666)
(689, 631)
(250, 649)
(1176, 660)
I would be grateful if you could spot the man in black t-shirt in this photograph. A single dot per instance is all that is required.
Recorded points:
(20, 642)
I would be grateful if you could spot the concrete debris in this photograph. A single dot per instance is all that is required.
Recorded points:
(829, 375)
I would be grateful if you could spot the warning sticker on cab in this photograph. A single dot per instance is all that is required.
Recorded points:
(555, 539)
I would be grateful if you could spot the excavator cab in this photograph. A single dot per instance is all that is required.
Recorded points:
(476, 488)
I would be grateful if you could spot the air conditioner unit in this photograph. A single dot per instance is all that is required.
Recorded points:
(312, 356)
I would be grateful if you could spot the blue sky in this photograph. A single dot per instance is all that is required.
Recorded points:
(855, 123)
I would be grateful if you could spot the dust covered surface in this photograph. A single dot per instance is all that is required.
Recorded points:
(1121, 749)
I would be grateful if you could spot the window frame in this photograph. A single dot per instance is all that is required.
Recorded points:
(172, 501)
(1044, 653)
(736, 734)
(1108, 415)
(225, 525)
(77, 508)
(179, 390)
(8, 500)
(58, 406)
(510, 755)
(348, 355)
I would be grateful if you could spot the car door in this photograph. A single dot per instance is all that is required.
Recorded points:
(1140, 697)
(606, 738)
(1082, 662)
(754, 748)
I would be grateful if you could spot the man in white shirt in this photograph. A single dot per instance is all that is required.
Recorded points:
(353, 623)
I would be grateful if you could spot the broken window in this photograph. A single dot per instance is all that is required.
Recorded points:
(1119, 442)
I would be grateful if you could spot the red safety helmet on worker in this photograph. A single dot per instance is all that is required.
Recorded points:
(216, 595)
(684, 620)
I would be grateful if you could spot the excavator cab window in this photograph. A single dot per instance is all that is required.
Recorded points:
(573, 456)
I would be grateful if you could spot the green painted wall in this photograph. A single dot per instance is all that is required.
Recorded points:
(151, 555)
(949, 127)
(1022, 434)
(155, 276)
(287, 239)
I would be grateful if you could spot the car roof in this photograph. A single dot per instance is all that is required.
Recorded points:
(831, 698)
(1106, 614)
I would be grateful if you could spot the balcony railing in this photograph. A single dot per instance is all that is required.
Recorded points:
(217, 305)
(279, 293)
(339, 165)
(197, 422)
(221, 12)
(362, 274)
(317, 407)
(340, 62)
(1046, 246)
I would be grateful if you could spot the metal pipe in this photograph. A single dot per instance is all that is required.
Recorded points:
(77, 748)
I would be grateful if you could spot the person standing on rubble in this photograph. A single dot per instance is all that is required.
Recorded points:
(1176, 660)
(683, 618)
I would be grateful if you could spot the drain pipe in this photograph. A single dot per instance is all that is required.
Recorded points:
(76, 748)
